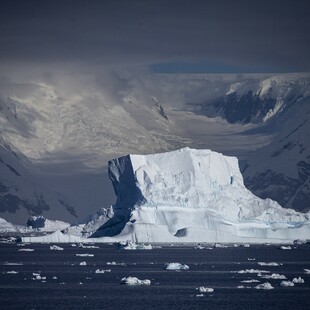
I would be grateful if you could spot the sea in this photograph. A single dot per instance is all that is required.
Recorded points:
(34, 276)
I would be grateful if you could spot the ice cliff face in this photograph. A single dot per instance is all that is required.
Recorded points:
(193, 195)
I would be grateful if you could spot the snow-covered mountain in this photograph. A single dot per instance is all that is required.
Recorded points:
(65, 129)
(189, 195)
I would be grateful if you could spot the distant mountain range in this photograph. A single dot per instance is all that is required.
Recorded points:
(55, 144)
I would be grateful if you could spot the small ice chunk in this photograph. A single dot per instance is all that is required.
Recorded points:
(268, 264)
(198, 247)
(199, 295)
(240, 286)
(176, 266)
(245, 245)
(203, 289)
(54, 278)
(287, 283)
(85, 255)
(56, 248)
(274, 276)
(12, 264)
(111, 263)
(25, 250)
(12, 272)
(298, 280)
(219, 245)
(102, 270)
(128, 245)
(251, 258)
(307, 271)
(82, 264)
(135, 281)
(264, 286)
(283, 247)
(250, 281)
(253, 271)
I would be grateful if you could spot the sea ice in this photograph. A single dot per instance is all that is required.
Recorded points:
(135, 281)
(12, 272)
(85, 255)
(83, 264)
(102, 270)
(56, 248)
(287, 283)
(274, 276)
(203, 289)
(25, 250)
(253, 271)
(176, 266)
(298, 280)
(283, 247)
(264, 286)
(307, 271)
(268, 264)
(250, 281)
(128, 245)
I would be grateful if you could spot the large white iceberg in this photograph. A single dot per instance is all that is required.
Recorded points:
(191, 195)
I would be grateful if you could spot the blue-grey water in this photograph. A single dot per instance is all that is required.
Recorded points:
(79, 287)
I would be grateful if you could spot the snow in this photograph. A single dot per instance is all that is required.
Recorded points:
(56, 248)
(188, 195)
(287, 283)
(203, 289)
(135, 281)
(176, 266)
(264, 286)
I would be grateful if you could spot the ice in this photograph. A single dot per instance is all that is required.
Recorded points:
(203, 289)
(199, 247)
(54, 278)
(135, 281)
(56, 248)
(287, 283)
(274, 276)
(12, 264)
(12, 272)
(176, 266)
(25, 250)
(188, 195)
(298, 280)
(253, 271)
(283, 247)
(250, 281)
(38, 277)
(307, 271)
(102, 270)
(128, 245)
(268, 264)
(264, 286)
(42, 224)
(83, 264)
(85, 255)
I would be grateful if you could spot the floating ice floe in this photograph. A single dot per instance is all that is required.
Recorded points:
(298, 280)
(12, 264)
(102, 270)
(250, 281)
(54, 278)
(203, 289)
(38, 277)
(245, 245)
(56, 248)
(253, 271)
(287, 283)
(268, 264)
(83, 264)
(264, 286)
(219, 245)
(12, 272)
(85, 255)
(199, 247)
(176, 266)
(128, 245)
(307, 271)
(274, 276)
(135, 281)
(116, 264)
(200, 295)
(251, 259)
(25, 250)
(283, 247)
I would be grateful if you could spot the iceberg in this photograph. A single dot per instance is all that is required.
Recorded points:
(135, 281)
(176, 266)
(188, 195)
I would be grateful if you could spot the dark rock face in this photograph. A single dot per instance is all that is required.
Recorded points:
(288, 192)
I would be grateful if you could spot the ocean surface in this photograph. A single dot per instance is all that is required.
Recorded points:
(79, 287)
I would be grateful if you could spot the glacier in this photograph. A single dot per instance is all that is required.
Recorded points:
(188, 195)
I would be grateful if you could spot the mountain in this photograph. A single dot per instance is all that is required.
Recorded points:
(278, 106)
(189, 195)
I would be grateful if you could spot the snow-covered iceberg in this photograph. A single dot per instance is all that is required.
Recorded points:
(191, 195)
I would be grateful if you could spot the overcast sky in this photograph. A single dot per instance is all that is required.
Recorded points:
(164, 36)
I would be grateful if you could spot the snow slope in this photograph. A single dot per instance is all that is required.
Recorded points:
(190, 195)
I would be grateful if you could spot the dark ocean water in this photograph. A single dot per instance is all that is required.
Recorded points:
(79, 287)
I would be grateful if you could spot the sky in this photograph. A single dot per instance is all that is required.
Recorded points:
(165, 36)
